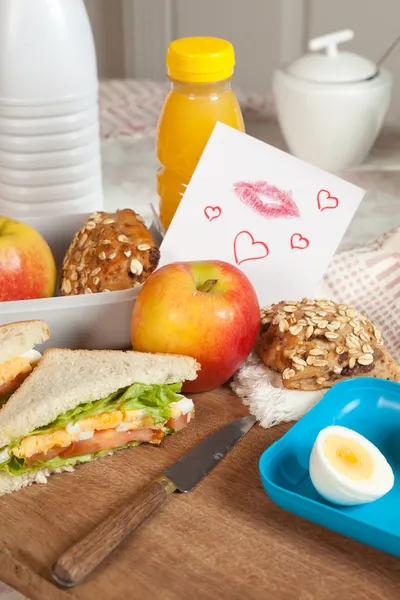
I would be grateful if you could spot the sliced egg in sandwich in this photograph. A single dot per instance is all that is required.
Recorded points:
(17, 354)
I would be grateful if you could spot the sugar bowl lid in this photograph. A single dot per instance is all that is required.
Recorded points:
(332, 66)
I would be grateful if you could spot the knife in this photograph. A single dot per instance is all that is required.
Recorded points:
(156, 219)
(81, 559)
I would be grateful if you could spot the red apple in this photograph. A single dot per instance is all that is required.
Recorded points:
(208, 310)
(27, 267)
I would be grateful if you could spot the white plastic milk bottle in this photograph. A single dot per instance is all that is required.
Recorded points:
(49, 125)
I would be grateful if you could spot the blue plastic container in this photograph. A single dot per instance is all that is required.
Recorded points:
(370, 407)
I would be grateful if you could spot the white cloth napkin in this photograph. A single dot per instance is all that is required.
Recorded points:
(261, 389)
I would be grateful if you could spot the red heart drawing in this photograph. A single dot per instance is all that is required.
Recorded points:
(212, 212)
(298, 242)
(325, 200)
(249, 249)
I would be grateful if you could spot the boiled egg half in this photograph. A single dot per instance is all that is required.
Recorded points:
(347, 469)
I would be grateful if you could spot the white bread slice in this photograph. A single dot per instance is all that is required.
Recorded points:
(64, 379)
(13, 483)
(17, 338)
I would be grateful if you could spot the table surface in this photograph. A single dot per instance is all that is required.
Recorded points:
(226, 539)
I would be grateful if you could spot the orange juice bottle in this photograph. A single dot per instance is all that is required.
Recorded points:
(200, 70)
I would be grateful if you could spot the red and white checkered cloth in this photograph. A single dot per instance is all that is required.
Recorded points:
(369, 279)
(131, 108)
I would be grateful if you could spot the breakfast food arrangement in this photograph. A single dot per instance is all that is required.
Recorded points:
(111, 251)
(208, 323)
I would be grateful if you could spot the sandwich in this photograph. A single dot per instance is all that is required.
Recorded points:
(17, 354)
(78, 405)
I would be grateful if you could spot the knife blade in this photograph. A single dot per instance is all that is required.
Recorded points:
(189, 470)
(81, 559)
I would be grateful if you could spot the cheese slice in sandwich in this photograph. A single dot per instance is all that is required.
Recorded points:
(17, 353)
(78, 405)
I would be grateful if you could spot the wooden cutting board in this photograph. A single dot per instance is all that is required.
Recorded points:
(224, 540)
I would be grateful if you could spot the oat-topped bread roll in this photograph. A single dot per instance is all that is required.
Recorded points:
(110, 252)
(315, 343)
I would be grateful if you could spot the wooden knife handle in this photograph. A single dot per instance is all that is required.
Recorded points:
(81, 559)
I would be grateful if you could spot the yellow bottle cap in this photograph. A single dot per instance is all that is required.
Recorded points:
(200, 59)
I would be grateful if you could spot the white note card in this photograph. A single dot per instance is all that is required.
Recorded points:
(272, 215)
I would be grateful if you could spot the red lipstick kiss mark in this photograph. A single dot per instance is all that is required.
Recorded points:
(277, 202)
(326, 201)
(212, 212)
(245, 248)
(298, 242)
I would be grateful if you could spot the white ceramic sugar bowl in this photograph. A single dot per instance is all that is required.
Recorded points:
(331, 105)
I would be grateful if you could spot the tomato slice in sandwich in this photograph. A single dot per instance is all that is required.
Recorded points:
(179, 422)
(107, 440)
(44, 456)
(6, 389)
(101, 440)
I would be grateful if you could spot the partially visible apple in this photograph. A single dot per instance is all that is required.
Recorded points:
(207, 310)
(27, 267)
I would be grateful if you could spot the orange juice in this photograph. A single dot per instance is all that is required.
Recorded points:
(200, 70)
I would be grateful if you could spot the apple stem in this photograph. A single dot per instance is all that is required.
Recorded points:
(208, 285)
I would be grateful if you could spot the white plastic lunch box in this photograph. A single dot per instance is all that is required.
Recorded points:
(93, 321)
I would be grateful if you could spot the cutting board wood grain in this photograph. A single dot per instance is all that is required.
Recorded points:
(224, 540)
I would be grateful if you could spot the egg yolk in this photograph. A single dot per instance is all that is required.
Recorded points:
(348, 457)
(11, 368)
